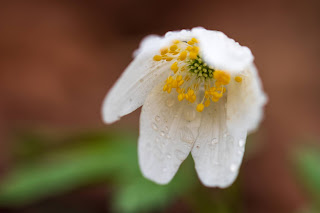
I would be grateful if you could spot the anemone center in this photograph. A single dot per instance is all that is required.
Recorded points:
(191, 75)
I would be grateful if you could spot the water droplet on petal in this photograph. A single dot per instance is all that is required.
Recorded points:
(162, 133)
(242, 142)
(212, 144)
(179, 154)
(168, 156)
(233, 167)
(186, 135)
(157, 139)
(189, 113)
(229, 138)
(170, 102)
(157, 118)
(166, 129)
(214, 141)
(158, 154)
(154, 126)
(164, 169)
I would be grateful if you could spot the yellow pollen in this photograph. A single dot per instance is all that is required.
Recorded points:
(180, 97)
(193, 55)
(183, 55)
(238, 79)
(194, 40)
(207, 103)
(174, 67)
(173, 47)
(191, 42)
(157, 58)
(221, 77)
(215, 99)
(191, 75)
(200, 107)
(164, 51)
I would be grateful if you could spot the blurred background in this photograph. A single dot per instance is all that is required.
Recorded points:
(58, 59)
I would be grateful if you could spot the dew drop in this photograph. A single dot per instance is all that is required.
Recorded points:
(216, 163)
(154, 126)
(166, 129)
(214, 141)
(164, 169)
(186, 135)
(229, 138)
(242, 142)
(189, 114)
(179, 154)
(157, 118)
(162, 133)
(233, 167)
(170, 102)
(158, 154)
(168, 156)
(157, 139)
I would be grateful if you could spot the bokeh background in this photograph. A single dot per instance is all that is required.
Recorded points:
(58, 59)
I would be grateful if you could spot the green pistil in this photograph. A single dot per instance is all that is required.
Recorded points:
(201, 69)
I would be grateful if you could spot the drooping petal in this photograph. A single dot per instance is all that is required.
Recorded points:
(245, 101)
(132, 88)
(221, 52)
(217, 152)
(168, 129)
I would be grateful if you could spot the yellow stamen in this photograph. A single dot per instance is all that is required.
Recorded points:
(183, 55)
(193, 55)
(157, 58)
(174, 67)
(207, 103)
(238, 79)
(173, 47)
(194, 40)
(164, 51)
(200, 107)
(180, 97)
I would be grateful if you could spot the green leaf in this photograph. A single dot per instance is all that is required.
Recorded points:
(141, 195)
(65, 170)
(307, 161)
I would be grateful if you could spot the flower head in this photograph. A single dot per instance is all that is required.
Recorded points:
(200, 93)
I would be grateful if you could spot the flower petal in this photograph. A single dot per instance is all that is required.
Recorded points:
(222, 52)
(132, 88)
(168, 129)
(245, 101)
(218, 153)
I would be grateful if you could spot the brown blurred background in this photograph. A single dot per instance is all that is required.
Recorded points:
(58, 59)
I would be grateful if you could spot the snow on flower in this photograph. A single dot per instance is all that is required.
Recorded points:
(200, 93)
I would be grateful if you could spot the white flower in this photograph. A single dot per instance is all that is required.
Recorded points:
(200, 92)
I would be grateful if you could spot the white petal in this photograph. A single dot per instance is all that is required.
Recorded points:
(218, 153)
(245, 101)
(132, 88)
(222, 52)
(168, 129)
